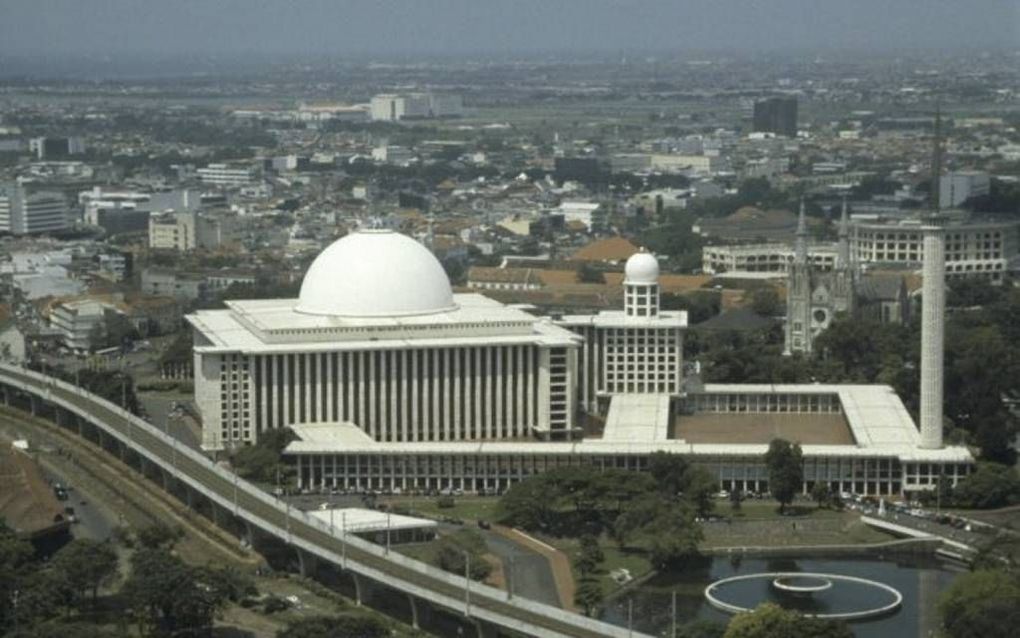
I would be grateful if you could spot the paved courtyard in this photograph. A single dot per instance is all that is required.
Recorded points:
(806, 429)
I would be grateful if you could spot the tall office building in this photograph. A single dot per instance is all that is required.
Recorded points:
(776, 115)
(23, 212)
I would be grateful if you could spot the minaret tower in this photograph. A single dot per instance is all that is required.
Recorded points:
(641, 285)
(933, 307)
(798, 294)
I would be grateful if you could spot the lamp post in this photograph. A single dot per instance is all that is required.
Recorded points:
(387, 533)
(673, 633)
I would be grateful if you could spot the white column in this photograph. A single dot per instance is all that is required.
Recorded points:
(415, 425)
(405, 403)
(285, 363)
(529, 387)
(359, 398)
(330, 387)
(456, 382)
(434, 394)
(428, 424)
(308, 389)
(385, 430)
(372, 392)
(520, 416)
(487, 393)
(264, 398)
(343, 378)
(476, 425)
(447, 396)
(500, 386)
(933, 309)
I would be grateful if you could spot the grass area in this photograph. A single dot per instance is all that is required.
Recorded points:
(1008, 517)
(769, 510)
(466, 508)
(633, 560)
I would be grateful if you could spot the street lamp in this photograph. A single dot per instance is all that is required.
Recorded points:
(387, 533)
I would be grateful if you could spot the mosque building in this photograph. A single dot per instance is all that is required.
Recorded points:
(392, 382)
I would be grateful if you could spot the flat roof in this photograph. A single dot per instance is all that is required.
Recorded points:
(638, 417)
(729, 427)
(359, 520)
(272, 325)
(878, 424)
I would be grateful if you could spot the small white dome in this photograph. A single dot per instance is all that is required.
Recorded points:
(641, 268)
(375, 273)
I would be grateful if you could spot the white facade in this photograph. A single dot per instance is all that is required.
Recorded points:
(392, 107)
(957, 187)
(377, 338)
(23, 212)
(392, 381)
(226, 175)
(78, 321)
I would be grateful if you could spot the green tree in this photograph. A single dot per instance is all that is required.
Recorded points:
(15, 556)
(453, 552)
(765, 301)
(821, 493)
(772, 621)
(588, 595)
(167, 595)
(785, 465)
(669, 472)
(700, 490)
(347, 626)
(588, 274)
(981, 604)
(85, 565)
(674, 537)
(589, 554)
(991, 485)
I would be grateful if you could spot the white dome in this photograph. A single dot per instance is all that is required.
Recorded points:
(642, 268)
(375, 273)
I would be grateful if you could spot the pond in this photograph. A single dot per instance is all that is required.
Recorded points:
(919, 579)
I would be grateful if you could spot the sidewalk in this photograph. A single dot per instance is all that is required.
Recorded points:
(558, 563)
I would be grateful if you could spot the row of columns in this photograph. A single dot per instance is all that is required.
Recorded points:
(402, 395)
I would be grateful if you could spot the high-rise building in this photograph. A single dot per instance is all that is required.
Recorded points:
(46, 148)
(26, 212)
(958, 186)
(776, 115)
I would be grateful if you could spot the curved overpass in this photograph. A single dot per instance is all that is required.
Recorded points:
(256, 508)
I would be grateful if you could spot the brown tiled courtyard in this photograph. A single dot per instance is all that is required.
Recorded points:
(807, 429)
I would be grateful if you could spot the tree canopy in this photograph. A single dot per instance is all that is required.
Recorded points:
(784, 462)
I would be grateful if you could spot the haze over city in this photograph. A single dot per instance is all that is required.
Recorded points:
(551, 319)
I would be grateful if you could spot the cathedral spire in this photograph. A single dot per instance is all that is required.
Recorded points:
(801, 246)
(843, 255)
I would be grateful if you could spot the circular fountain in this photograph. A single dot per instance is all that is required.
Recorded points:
(830, 596)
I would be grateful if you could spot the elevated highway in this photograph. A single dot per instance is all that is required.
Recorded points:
(493, 611)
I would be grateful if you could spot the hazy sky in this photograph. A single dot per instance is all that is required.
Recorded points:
(379, 27)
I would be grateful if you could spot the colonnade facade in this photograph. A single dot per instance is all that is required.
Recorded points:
(457, 393)
(495, 472)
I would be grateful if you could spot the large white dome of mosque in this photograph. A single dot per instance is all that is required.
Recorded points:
(375, 273)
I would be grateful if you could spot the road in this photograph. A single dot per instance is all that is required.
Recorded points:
(201, 474)
(528, 573)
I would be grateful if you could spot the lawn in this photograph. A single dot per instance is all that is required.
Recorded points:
(633, 560)
(466, 508)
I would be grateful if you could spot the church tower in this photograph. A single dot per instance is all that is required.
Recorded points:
(798, 294)
(844, 274)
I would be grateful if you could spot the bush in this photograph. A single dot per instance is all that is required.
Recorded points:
(274, 604)
(445, 502)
